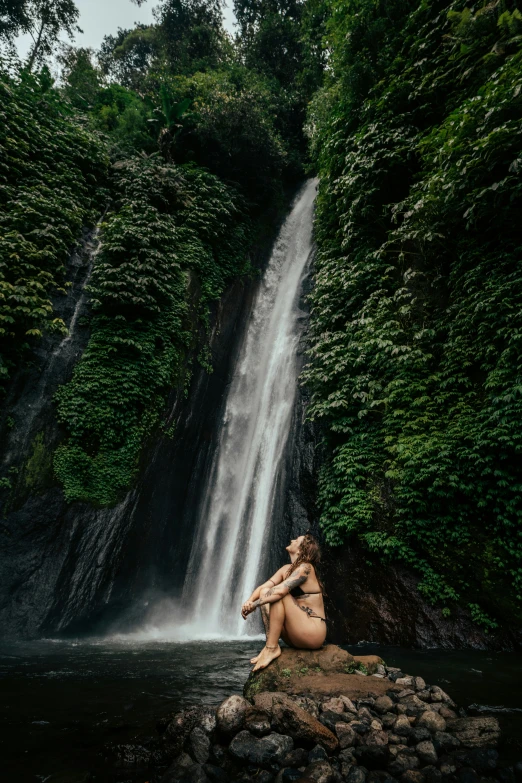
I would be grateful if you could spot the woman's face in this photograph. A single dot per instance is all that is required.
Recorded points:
(293, 546)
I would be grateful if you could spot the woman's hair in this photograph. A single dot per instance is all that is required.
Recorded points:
(309, 552)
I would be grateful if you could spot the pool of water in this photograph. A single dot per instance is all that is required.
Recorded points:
(63, 700)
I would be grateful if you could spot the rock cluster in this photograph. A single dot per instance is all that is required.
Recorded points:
(413, 733)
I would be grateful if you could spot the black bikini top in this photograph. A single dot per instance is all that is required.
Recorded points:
(296, 592)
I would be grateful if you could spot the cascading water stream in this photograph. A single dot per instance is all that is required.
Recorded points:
(235, 523)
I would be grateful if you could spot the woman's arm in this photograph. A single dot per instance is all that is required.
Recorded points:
(276, 579)
(273, 594)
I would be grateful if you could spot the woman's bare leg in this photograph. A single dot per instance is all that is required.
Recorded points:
(272, 650)
(265, 616)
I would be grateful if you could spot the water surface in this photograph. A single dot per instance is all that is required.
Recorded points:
(63, 700)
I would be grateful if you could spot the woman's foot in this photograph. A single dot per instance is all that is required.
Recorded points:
(266, 656)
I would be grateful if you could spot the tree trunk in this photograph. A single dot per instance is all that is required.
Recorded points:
(36, 47)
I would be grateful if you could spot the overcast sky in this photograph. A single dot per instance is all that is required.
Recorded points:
(101, 17)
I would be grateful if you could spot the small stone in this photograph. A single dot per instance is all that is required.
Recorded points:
(405, 681)
(412, 776)
(424, 695)
(394, 739)
(297, 758)
(447, 769)
(391, 669)
(432, 774)
(360, 726)
(289, 775)
(317, 754)
(383, 704)
(348, 704)
(358, 671)
(447, 713)
(346, 734)
(376, 738)
(307, 704)
(431, 721)
(426, 752)
(376, 725)
(406, 692)
(320, 771)
(260, 751)
(388, 720)
(199, 745)
(435, 707)
(356, 775)
(334, 705)
(420, 733)
(402, 726)
(379, 676)
(215, 774)
(402, 763)
(419, 684)
(231, 714)
(437, 694)
(380, 669)
(444, 742)
(364, 714)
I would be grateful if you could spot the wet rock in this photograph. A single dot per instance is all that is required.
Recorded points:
(412, 776)
(431, 721)
(231, 715)
(372, 756)
(215, 774)
(320, 772)
(482, 760)
(426, 752)
(376, 738)
(402, 726)
(383, 704)
(333, 705)
(257, 722)
(419, 684)
(363, 713)
(331, 719)
(404, 680)
(432, 774)
(307, 704)
(297, 757)
(403, 762)
(467, 775)
(288, 718)
(260, 751)
(447, 713)
(444, 742)
(476, 732)
(424, 695)
(345, 734)
(376, 725)
(180, 769)
(199, 745)
(356, 775)
(317, 754)
(388, 720)
(437, 694)
(348, 704)
(419, 733)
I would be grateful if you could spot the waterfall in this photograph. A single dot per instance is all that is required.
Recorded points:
(232, 539)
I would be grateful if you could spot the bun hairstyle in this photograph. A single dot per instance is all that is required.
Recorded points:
(309, 552)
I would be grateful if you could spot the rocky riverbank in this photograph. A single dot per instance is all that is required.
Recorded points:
(323, 716)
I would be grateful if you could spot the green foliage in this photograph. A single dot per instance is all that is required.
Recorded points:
(52, 181)
(414, 356)
(175, 225)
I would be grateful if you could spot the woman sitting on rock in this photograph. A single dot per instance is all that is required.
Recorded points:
(291, 603)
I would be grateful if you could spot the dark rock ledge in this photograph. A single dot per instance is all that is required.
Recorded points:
(323, 716)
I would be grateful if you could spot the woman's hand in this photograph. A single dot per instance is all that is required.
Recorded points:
(247, 608)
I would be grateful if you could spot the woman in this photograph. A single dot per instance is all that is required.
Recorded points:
(291, 603)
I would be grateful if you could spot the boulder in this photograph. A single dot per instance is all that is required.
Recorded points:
(320, 772)
(288, 718)
(426, 752)
(327, 670)
(432, 721)
(231, 715)
(383, 704)
(346, 735)
(481, 732)
(260, 751)
(199, 745)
